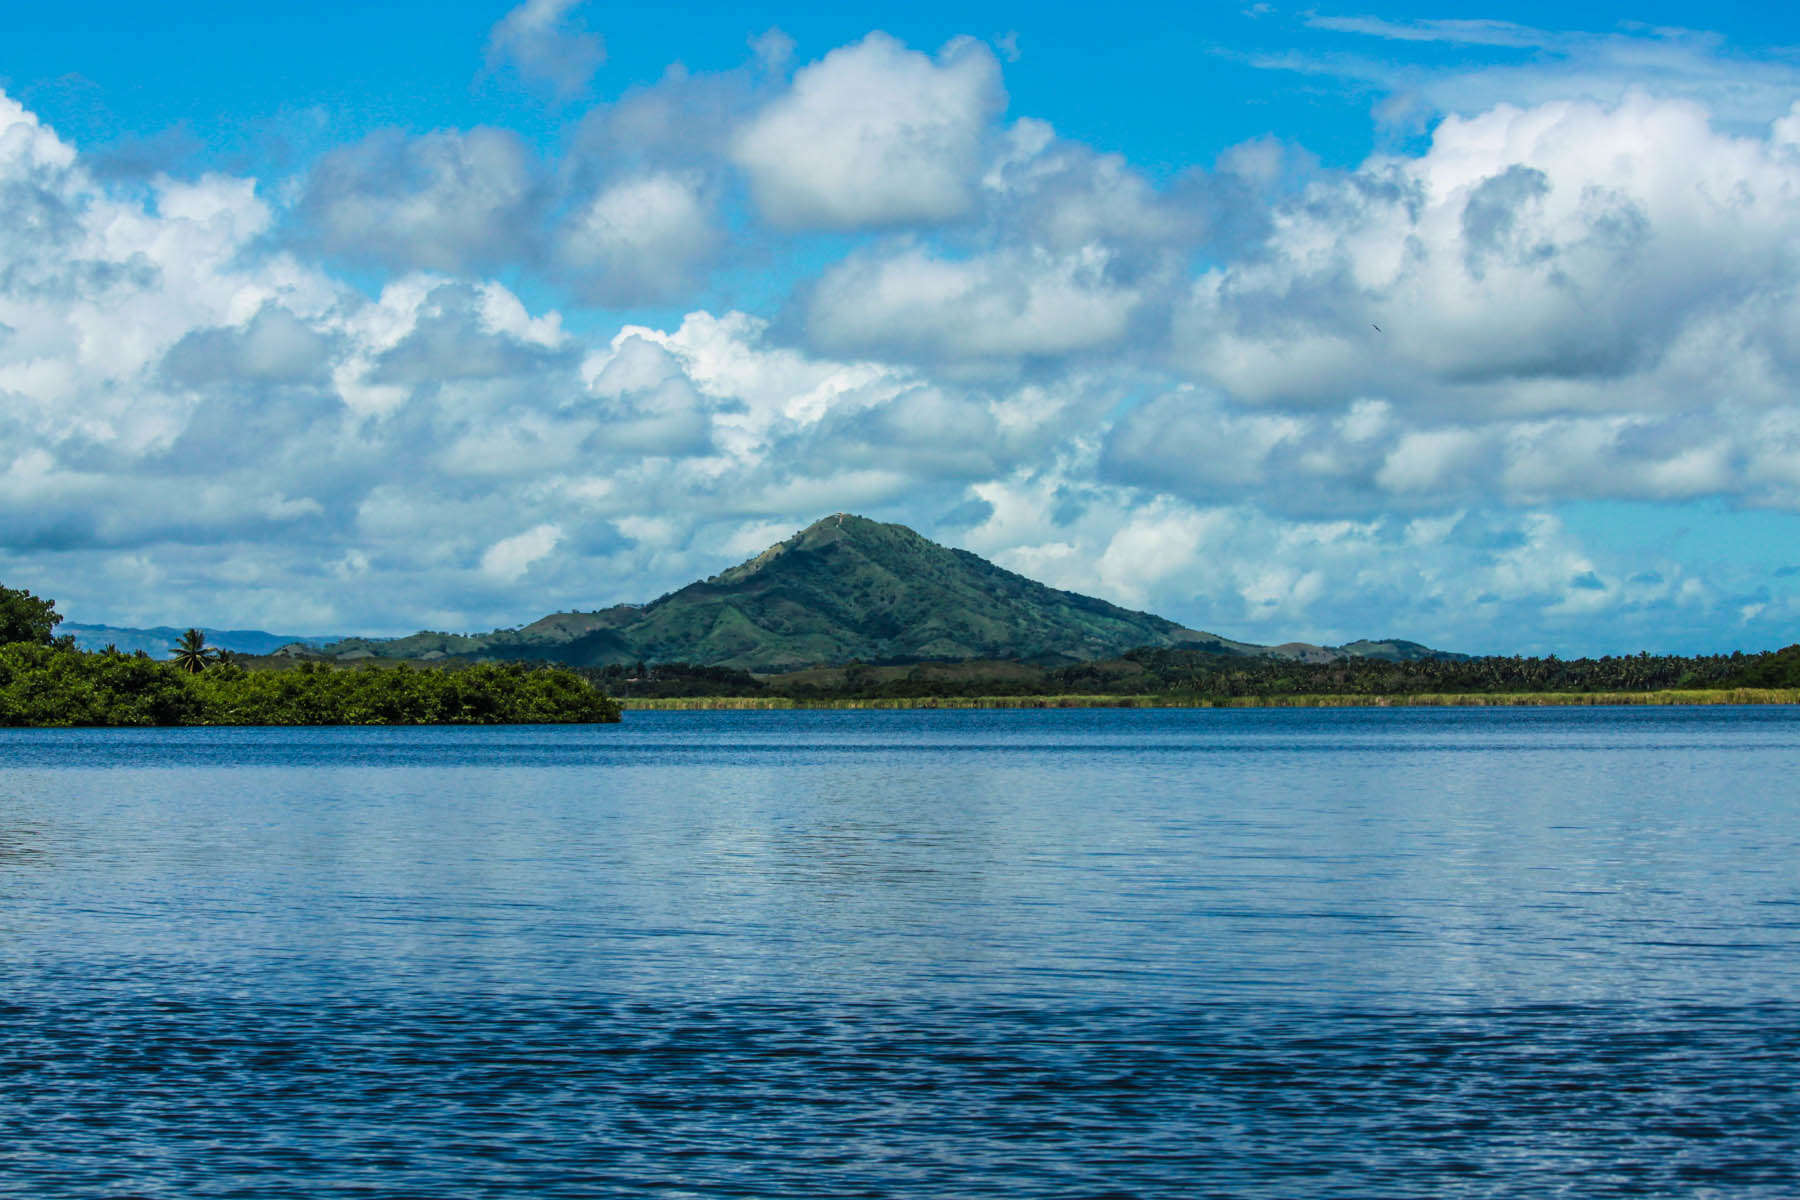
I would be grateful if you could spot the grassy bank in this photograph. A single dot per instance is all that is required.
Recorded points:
(1420, 700)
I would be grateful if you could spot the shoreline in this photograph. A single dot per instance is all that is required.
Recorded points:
(1709, 696)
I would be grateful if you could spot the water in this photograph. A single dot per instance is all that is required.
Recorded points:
(1377, 953)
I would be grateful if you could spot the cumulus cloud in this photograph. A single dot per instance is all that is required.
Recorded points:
(459, 338)
(1529, 260)
(1370, 457)
(648, 404)
(1064, 196)
(911, 304)
(546, 46)
(506, 560)
(95, 290)
(176, 390)
(685, 120)
(628, 216)
(450, 200)
(1075, 254)
(874, 135)
(638, 239)
(274, 346)
(775, 388)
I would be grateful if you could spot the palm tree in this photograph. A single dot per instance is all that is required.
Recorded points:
(192, 654)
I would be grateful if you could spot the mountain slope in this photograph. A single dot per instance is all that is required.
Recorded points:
(847, 587)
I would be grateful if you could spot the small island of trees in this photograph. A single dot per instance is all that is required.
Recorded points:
(46, 681)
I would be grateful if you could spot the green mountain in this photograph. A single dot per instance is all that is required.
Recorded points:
(848, 587)
(843, 588)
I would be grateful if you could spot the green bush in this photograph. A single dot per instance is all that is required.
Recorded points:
(58, 685)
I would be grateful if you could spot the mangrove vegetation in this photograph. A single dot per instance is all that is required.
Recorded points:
(1180, 676)
(46, 681)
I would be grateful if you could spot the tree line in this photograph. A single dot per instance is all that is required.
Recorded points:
(1200, 675)
(47, 681)
(1223, 676)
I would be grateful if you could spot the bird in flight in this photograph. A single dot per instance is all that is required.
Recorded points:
(1375, 327)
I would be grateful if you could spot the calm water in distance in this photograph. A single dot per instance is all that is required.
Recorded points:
(1344, 953)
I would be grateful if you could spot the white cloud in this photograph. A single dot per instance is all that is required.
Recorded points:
(1063, 196)
(94, 290)
(27, 145)
(503, 313)
(912, 305)
(874, 134)
(506, 560)
(1428, 461)
(540, 41)
(765, 392)
(1368, 458)
(450, 200)
(1563, 257)
(640, 238)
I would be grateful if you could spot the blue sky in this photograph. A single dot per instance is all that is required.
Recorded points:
(1466, 326)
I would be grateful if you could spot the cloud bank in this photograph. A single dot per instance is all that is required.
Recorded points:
(1262, 398)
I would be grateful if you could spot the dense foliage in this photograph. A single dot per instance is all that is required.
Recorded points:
(675, 679)
(1210, 675)
(25, 618)
(55, 685)
(1776, 669)
(47, 681)
(59, 685)
(1191, 673)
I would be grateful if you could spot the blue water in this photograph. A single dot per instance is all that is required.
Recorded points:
(1381, 953)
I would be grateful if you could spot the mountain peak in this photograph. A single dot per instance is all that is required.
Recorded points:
(821, 535)
(841, 526)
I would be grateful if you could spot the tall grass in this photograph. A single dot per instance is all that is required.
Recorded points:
(1422, 700)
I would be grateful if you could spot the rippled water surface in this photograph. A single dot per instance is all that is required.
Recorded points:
(1085, 953)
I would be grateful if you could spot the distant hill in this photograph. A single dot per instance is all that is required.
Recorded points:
(1395, 650)
(157, 640)
(845, 588)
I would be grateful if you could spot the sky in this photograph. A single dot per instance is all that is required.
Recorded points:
(1475, 327)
